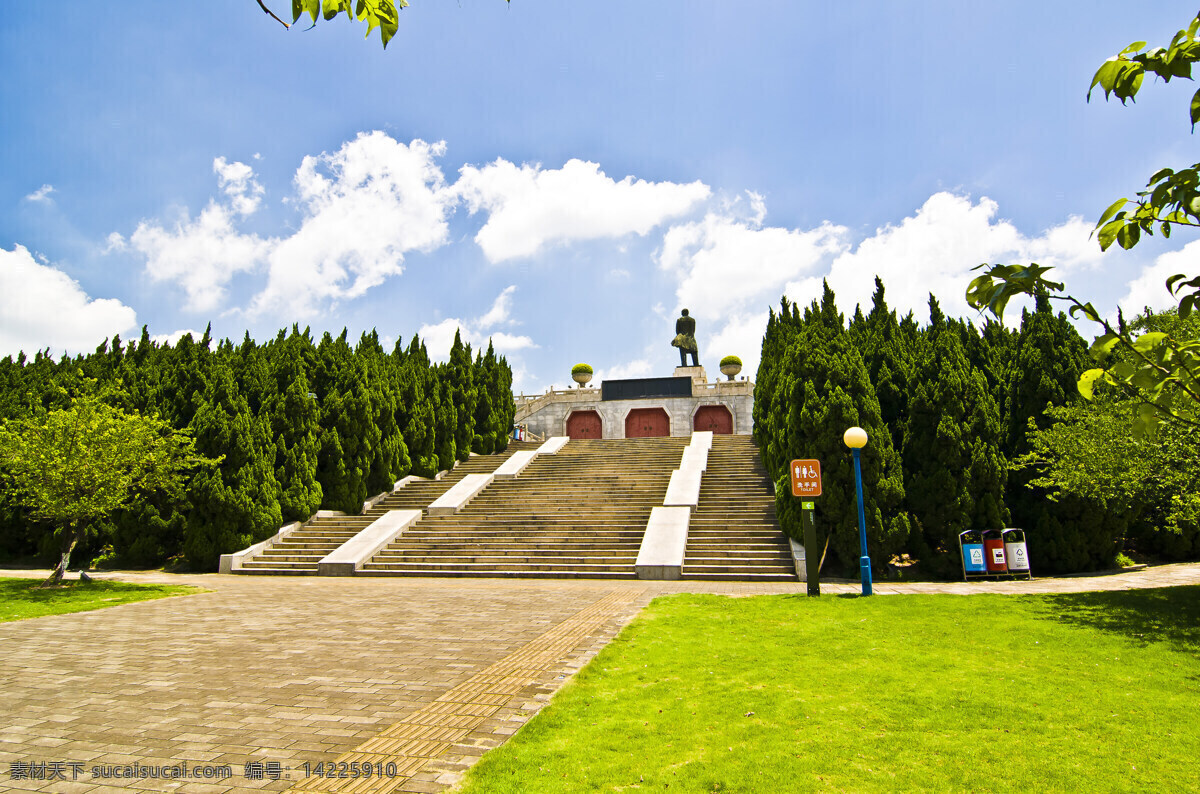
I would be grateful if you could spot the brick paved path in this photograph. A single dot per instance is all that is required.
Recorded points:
(424, 673)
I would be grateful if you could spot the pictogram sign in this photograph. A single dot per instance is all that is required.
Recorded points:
(806, 477)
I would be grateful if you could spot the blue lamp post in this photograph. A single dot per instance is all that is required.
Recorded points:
(856, 439)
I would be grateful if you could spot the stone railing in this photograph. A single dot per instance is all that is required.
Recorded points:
(529, 404)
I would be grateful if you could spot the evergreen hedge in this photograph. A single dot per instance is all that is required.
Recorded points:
(947, 407)
(301, 426)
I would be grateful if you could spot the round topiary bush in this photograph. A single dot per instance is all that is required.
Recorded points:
(731, 360)
(581, 369)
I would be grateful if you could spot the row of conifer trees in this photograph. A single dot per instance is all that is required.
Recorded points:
(947, 407)
(301, 426)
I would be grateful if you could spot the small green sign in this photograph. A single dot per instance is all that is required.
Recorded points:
(808, 505)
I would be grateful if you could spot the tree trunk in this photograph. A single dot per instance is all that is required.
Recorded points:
(71, 538)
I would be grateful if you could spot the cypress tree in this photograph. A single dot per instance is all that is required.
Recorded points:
(484, 440)
(390, 460)
(418, 398)
(458, 372)
(445, 420)
(238, 504)
(888, 355)
(954, 471)
(295, 425)
(822, 389)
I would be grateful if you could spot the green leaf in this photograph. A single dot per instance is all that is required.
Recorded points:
(1194, 109)
(1127, 236)
(1087, 383)
(1109, 232)
(1149, 341)
(1116, 205)
(1104, 344)
(311, 7)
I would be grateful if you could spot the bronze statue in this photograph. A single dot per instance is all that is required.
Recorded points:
(685, 339)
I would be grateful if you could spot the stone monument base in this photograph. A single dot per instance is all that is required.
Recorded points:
(697, 374)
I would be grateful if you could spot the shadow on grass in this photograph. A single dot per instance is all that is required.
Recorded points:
(1169, 614)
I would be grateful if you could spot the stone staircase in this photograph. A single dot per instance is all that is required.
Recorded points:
(734, 533)
(299, 552)
(578, 514)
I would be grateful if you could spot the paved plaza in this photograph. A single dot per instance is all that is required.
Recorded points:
(279, 672)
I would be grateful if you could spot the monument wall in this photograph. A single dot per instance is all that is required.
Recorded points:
(548, 414)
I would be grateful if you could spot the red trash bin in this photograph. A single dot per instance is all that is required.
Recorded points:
(993, 551)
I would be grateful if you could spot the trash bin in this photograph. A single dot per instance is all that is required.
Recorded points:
(971, 545)
(1016, 553)
(993, 551)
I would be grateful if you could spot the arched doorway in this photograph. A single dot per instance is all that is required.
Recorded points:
(715, 418)
(647, 423)
(585, 424)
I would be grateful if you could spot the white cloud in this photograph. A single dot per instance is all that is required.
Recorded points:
(365, 206)
(935, 249)
(439, 337)
(501, 309)
(1150, 286)
(41, 306)
(175, 336)
(41, 195)
(729, 267)
(725, 263)
(504, 343)
(114, 242)
(638, 368)
(202, 255)
(530, 207)
(740, 336)
(236, 181)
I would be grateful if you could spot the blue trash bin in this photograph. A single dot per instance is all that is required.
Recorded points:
(971, 544)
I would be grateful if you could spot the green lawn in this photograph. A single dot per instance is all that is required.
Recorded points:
(21, 598)
(1083, 692)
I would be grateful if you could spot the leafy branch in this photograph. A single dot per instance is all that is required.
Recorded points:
(382, 14)
(1161, 373)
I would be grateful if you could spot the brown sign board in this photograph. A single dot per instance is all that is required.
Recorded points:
(806, 477)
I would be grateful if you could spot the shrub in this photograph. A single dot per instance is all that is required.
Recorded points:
(581, 369)
(731, 360)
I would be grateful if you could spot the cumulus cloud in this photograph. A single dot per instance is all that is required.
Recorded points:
(41, 195)
(638, 368)
(729, 266)
(935, 249)
(365, 206)
(236, 181)
(729, 263)
(200, 254)
(439, 337)
(501, 309)
(741, 336)
(41, 306)
(1149, 288)
(530, 208)
(175, 336)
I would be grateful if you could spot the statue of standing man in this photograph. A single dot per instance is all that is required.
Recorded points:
(685, 339)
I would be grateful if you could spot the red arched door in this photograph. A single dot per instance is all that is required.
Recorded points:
(647, 423)
(585, 424)
(715, 418)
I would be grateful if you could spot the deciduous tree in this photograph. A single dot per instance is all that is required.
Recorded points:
(72, 467)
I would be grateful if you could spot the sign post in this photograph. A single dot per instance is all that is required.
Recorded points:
(806, 483)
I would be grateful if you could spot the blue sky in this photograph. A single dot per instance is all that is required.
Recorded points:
(560, 177)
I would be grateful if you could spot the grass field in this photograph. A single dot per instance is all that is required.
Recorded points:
(21, 598)
(1082, 692)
